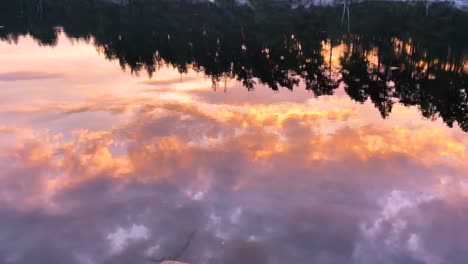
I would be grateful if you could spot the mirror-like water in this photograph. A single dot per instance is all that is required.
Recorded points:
(223, 134)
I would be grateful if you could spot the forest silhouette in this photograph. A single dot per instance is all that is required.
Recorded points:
(390, 53)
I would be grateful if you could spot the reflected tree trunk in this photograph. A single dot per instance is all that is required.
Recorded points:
(39, 8)
(21, 8)
(345, 11)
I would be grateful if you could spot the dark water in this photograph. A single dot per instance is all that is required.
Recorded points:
(223, 134)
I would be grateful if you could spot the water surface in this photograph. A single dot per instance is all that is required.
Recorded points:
(127, 137)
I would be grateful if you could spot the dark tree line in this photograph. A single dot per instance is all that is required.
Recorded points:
(422, 60)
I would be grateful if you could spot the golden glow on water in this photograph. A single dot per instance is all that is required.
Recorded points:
(333, 53)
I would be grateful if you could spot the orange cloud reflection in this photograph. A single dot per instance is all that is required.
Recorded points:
(123, 132)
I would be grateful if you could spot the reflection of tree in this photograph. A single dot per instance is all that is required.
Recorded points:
(404, 72)
(387, 58)
(364, 80)
(40, 8)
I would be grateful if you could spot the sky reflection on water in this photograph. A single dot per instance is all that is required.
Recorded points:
(98, 166)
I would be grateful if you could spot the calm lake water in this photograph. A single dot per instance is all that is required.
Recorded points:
(220, 134)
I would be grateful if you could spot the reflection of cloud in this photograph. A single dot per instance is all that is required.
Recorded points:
(415, 230)
(165, 82)
(121, 236)
(158, 146)
(279, 179)
(106, 103)
(252, 180)
(159, 172)
(28, 76)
